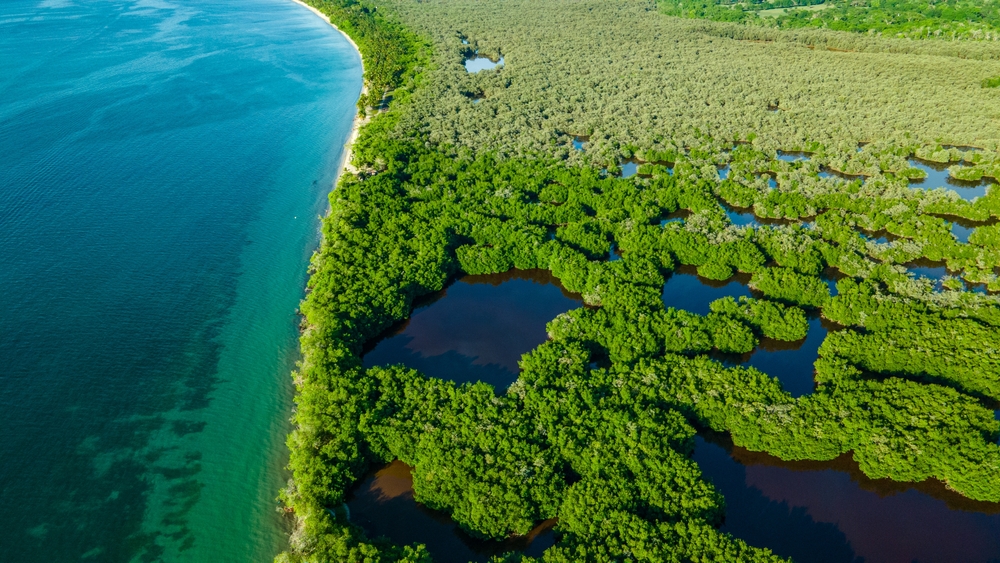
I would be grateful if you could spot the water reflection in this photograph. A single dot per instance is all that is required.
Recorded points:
(792, 156)
(579, 142)
(613, 254)
(925, 268)
(676, 217)
(479, 63)
(819, 512)
(961, 232)
(741, 216)
(478, 328)
(686, 290)
(831, 276)
(938, 177)
(629, 168)
(383, 505)
(791, 362)
(724, 172)
(826, 172)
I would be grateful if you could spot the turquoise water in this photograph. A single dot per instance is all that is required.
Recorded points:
(164, 166)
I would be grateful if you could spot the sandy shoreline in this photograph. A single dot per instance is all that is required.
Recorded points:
(359, 119)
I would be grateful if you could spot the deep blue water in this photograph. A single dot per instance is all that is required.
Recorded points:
(164, 167)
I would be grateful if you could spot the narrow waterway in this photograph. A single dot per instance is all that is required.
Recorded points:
(165, 165)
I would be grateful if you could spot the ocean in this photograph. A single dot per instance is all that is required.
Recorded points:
(163, 168)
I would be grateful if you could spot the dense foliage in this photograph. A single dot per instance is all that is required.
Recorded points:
(392, 56)
(913, 19)
(598, 429)
(637, 82)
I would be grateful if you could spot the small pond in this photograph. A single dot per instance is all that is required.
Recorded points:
(831, 173)
(613, 254)
(686, 290)
(740, 216)
(938, 177)
(743, 216)
(676, 217)
(478, 63)
(880, 237)
(792, 156)
(630, 168)
(829, 512)
(383, 505)
(961, 232)
(477, 329)
(924, 268)
(723, 172)
(579, 142)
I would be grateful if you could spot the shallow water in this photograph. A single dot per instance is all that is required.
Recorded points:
(828, 512)
(164, 164)
(676, 217)
(938, 177)
(383, 505)
(477, 329)
(792, 156)
(961, 232)
(830, 173)
(478, 63)
(688, 291)
(927, 269)
(613, 254)
(741, 217)
(579, 143)
(629, 168)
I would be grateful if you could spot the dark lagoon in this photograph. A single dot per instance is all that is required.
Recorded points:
(686, 290)
(478, 328)
(829, 512)
(791, 362)
(383, 505)
(164, 165)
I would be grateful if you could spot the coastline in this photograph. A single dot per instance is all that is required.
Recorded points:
(359, 119)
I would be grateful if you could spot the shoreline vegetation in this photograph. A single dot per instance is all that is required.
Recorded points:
(599, 428)
(361, 117)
